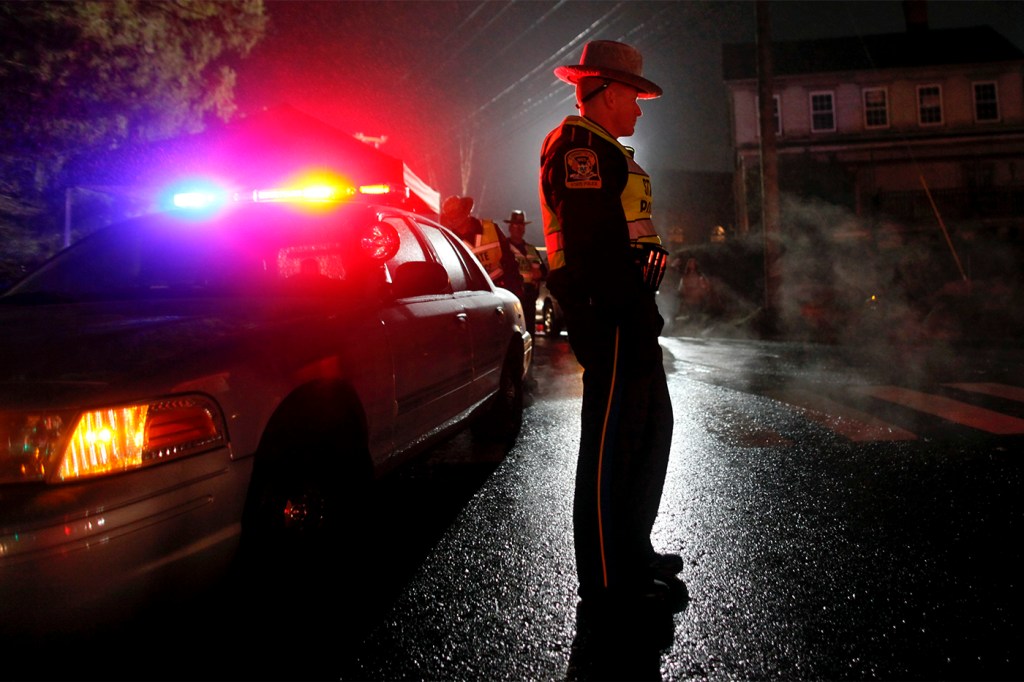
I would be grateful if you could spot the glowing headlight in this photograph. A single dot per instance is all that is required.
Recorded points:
(66, 446)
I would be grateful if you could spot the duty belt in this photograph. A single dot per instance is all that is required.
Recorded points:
(653, 261)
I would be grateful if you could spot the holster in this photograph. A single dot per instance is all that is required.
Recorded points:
(653, 261)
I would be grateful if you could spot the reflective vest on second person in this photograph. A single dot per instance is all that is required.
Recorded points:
(486, 247)
(531, 265)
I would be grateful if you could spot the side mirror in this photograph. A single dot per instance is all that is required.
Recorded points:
(420, 278)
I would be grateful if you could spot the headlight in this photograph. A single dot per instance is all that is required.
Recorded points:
(64, 446)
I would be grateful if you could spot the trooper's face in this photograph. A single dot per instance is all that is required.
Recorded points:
(459, 224)
(623, 109)
(516, 231)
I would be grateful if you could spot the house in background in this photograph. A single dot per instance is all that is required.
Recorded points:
(877, 123)
(900, 164)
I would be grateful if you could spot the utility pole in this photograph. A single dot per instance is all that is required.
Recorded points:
(769, 164)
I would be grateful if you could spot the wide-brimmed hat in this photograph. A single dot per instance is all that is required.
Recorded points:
(518, 218)
(613, 61)
(456, 206)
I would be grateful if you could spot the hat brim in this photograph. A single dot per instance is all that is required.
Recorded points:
(517, 222)
(573, 73)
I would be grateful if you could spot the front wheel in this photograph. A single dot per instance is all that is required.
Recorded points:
(305, 496)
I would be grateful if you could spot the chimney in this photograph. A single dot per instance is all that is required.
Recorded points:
(915, 13)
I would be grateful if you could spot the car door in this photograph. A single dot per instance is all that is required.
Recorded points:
(489, 323)
(428, 335)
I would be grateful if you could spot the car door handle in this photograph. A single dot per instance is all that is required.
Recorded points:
(499, 311)
(461, 318)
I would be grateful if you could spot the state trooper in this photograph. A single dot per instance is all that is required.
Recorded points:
(532, 267)
(605, 265)
(485, 239)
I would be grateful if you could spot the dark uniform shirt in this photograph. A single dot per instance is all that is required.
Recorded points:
(596, 202)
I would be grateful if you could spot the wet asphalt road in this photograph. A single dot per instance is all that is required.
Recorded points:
(808, 555)
(811, 552)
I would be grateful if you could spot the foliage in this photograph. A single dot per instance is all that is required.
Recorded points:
(92, 76)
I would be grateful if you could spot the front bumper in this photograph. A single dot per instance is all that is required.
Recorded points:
(73, 556)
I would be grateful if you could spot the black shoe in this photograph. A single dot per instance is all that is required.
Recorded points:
(666, 565)
(647, 597)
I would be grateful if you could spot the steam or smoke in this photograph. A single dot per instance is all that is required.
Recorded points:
(844, 279)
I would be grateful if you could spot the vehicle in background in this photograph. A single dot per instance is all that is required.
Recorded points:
(187, 386)
(550, 320)
(549, 314)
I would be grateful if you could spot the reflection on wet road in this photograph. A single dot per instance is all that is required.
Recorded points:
(841, 517)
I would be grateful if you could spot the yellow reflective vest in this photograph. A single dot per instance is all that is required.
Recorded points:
(486, 247)
(583, 171)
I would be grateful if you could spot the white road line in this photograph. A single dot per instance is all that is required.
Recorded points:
(948, 409)
(846, 421)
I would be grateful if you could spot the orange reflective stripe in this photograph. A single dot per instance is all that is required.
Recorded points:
(600, 460)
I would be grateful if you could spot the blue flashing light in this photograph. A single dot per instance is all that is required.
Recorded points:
(196, 200)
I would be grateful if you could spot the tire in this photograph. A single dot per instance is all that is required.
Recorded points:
(307, 489)
(552, 324)
(504, 414)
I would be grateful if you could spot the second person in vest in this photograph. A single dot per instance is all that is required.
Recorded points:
(486, 240)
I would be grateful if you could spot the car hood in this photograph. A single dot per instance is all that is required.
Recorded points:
(56, 350)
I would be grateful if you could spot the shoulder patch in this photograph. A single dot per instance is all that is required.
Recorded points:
(581, 169)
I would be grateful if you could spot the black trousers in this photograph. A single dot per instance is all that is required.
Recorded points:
(624, 448)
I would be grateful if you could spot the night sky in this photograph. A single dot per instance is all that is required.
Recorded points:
(464, 91)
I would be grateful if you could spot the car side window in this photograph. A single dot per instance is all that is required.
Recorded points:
(472, 278)
(413, 271)
(447, 257)
(410, 248)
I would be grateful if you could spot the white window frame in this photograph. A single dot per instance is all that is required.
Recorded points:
(995, 101)
(921, 109)
(831, 111)
(884, 109)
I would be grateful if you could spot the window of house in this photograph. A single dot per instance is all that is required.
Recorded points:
(986, 102)
(929, 104)
(876, 108)
(823, 114)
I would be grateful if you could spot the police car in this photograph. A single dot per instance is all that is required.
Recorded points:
(230, 376)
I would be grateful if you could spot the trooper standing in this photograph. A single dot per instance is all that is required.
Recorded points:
(605, 264)
(485, 239)
(531, 266)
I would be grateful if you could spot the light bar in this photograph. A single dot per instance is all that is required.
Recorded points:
(312, 193)
(319, 193)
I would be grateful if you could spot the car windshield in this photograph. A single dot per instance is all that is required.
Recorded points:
(268, 251)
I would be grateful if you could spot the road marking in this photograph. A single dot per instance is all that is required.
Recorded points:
(848, 422)
(997, 390)
(948, 409)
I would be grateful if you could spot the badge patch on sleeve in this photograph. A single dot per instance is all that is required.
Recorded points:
(581, 170)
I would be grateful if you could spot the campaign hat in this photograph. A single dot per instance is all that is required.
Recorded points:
(612, 61)
(456, 206)
(518, 217)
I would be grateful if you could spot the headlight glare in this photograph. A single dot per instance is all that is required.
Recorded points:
(105, 441)
(68, 446)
